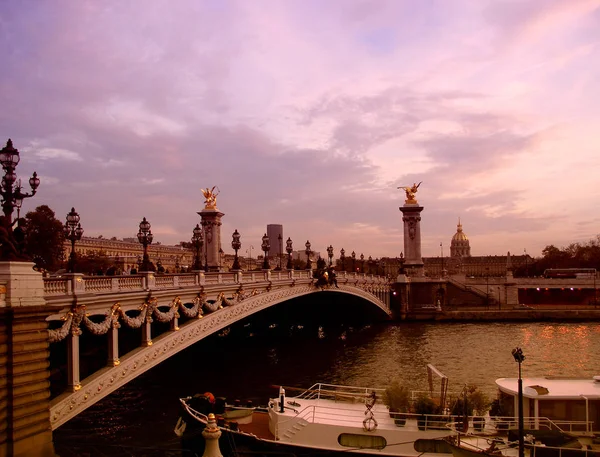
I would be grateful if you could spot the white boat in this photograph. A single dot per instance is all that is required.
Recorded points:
(561, 417)
(324, 420)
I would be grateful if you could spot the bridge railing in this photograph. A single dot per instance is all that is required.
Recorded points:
(76, 283)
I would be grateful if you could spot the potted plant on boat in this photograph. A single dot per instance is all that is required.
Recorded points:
(480, 404)
(461, 410)
(397, 398)
(426, 407)
(499, 414)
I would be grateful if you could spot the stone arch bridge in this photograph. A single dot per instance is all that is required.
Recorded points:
(210, 302)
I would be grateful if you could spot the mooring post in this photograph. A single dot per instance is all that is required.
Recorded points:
(211, 436)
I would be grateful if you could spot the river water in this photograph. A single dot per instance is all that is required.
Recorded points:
(246, 364)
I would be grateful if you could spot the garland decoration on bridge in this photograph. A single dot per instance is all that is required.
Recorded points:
(111, 320)
(212, 306)
(165, 317)
(135, 322)
(59, 334)
(195, 310)
(229, 301)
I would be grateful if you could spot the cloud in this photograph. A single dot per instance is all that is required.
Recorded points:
(310, 115)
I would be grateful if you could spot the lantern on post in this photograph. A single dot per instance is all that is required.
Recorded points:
(236, 244)
(265, 247)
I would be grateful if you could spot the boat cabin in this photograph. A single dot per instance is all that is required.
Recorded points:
(573, 405)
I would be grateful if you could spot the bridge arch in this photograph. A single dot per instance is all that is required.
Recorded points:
(140, 360)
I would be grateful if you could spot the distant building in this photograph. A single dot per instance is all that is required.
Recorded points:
(128, 252)
(276, 241)
(461, 261)
(459, 246)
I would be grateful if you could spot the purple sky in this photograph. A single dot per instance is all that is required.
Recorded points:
(310, 114)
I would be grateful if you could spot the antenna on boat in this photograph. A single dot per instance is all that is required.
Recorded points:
(281, 399)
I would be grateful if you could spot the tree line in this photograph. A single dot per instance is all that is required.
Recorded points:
(575, 255)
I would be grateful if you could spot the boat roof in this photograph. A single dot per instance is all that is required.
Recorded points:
(553, 387)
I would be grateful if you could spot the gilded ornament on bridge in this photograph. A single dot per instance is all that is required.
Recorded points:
(410, 193)
(210, 197)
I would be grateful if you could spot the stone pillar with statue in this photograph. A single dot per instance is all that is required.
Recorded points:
(411, 216)
(211, 226)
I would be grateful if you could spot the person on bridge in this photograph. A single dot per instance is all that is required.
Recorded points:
(333, 277)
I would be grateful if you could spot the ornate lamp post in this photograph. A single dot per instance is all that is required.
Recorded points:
(13, 197)
(265, 246)
(519, 357)
(73, 232)
(383, 268)
(236, 244)
(289, 249)
(370, 265)
(401, 264)
(307, 251)
(330, 253)
(197, 242)
(353, 255)
(343, 258)
(145, 238)
(362, 263)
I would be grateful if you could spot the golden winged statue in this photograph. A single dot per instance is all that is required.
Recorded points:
(210, 197)
(410, 192)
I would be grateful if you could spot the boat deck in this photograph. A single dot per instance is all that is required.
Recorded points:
(259, 426)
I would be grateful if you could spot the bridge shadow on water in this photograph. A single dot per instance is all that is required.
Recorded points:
(284, 344)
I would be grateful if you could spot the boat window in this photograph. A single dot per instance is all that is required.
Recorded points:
(362, 441)
(433, 446)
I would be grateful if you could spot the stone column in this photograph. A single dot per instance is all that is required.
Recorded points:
(211, 224)
(413, 261)
(24, 365)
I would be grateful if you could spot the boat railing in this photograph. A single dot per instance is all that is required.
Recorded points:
(191, 411)
(538, 423)
(338, 392)
(356, 417)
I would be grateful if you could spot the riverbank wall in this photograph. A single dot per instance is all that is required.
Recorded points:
(559, 315)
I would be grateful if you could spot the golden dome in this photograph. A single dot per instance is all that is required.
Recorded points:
(459, 235)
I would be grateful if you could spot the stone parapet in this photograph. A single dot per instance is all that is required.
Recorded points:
(24, 363)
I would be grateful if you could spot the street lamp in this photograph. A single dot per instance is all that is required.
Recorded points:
(13, 197)
(362, 263)
(519, 357)
(442, 253)
(330, 253)
(265, 247)
(73, 232)
(353, 255)
(280, 240)
(383, 267)
(526, 265)
(487, 281)
(343, 258)
(145, 238)
(307, 251)
(197, 242)
(289, 249)
(499, 302)
(236, 244)
(370, 265)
